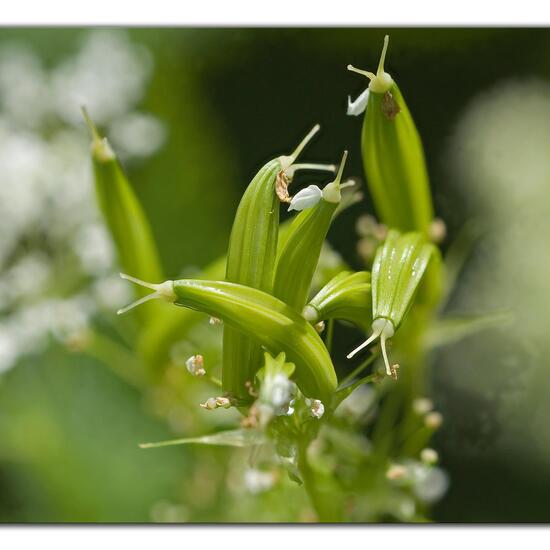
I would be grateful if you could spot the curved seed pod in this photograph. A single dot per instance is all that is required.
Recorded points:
(261, 317)
(399, 266)
(298, 258)
(251, 257)
(122, 211)
(393, 155)
(346, 297)
(157, 338)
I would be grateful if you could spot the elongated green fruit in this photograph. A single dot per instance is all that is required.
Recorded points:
(157, 338)
(346, 297)
(251, 259)
(299, 256)
(398, 268)
(393, 155)
(127, 223)
(261, 317)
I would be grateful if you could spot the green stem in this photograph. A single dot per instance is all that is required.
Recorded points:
(322, 492)
(120, 360)
(358, 370)
(330, 335)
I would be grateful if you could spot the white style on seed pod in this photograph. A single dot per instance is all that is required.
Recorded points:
(306, 198)
(195, 365)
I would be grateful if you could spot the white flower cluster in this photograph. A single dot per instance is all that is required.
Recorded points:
(52, 240)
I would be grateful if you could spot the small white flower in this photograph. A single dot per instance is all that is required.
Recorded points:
(306, 198)
(215, 403)
(319, 327)
(258, 481)
(429, 483)
(433, 420)
(195, 365)
(357, 107)
(214, 321)
(278, 390)
(429, 456)
(275, 396)
(223, 402)
(210, 404)
(422, 405)
(396, 471)
(317, 408)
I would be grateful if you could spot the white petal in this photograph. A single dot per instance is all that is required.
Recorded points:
(355, 108)
(306, 198)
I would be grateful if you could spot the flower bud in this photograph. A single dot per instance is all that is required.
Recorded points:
(317, 408)
(433, 420)
(429, 456)
(195, 365)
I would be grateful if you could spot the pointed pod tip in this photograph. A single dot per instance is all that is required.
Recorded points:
(90, 123)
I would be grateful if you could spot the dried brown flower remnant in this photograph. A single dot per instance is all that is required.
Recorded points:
(390, 108)
(281, 187)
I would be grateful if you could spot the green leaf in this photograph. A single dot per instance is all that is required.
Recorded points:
(229, 438)
(451, 330)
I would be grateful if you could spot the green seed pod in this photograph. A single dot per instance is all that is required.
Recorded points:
(122, 211)
(251, 257)
(393, 156)
(346, 297)
(261, 317)
(399, 265)
(157, 338)
(298, 258)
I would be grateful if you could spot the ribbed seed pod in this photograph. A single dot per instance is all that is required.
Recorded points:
(262, 318)
(299, 256)
(251, 259)
(399, 266)
(127, 223)
(393, 156)
(346, 297)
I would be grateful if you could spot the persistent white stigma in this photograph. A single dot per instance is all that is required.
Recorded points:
(383, 329)
(164, 291)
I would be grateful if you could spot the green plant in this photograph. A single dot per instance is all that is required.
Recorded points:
(293, 408)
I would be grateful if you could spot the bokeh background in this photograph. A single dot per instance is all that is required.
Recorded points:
(193, 113)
